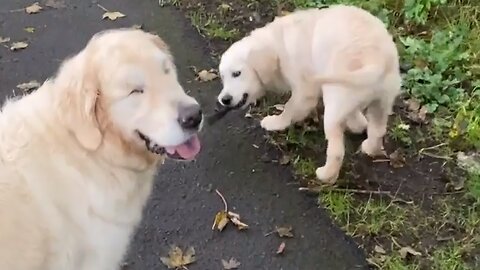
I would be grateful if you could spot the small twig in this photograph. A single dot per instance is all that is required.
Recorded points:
(434, 155)
(359, 191)
(449, 193)
(432, 147)
(223, 199)
(380, 160)
(103, 8)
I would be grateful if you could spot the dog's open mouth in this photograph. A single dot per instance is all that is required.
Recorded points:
(185, 151)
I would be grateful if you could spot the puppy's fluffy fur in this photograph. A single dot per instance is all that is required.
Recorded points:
(74, 173)
(342, 53)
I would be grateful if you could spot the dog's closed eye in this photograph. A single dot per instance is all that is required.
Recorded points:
(236, 74)
(136, 91)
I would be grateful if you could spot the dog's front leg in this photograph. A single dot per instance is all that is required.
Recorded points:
(302, 102)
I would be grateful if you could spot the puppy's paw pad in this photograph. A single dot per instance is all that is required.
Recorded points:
(325, 176)
(372, 149)
(274, 122)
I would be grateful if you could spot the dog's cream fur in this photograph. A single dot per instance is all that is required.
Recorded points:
(74, 174)
(342, 53)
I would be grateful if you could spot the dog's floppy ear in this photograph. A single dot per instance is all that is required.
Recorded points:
(79, 86)
(264, 62)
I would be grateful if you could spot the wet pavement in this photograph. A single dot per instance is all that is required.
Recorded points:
(235, 156)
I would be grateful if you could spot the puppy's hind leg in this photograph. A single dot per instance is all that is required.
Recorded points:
(335, 116)
(302, 102)
(377, 115)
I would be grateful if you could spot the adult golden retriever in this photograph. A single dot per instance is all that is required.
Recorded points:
(78, 156)
(342, 53)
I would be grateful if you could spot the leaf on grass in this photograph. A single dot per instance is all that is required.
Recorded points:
(413, 104)
(397, 159)
(284, 160)
(113, 15)
(29, 29)
(281, 248)
(231, 264)
(34, 8)
(4, 39)
(284, 231)
(28, 86)
(379, 249)
(207, 75)
(18, 46)
(177, 258)
(55, 4)
(221, 220)
(405, 251)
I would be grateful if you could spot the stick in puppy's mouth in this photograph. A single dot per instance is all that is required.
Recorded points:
(221, 111)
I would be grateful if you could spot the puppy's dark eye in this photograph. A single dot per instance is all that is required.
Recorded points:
(236, 74)
(136, 91)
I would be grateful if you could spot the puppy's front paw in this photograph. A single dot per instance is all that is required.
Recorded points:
(326, 176)
(372, 149)
(274, 122)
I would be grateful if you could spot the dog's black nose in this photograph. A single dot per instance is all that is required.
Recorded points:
(226, 100)
(190, 116)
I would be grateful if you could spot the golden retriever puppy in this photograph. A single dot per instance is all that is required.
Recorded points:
(78, 156)
(341, 53)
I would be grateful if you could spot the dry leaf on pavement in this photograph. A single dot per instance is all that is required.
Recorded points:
(34, 8)
(18, 46)
(28, 86)
(284, 231)
(231, 264)
(113, 15)
(281, 248)
(178, 259)
(29, 29)
(207, 75)
(4, 39)
(221, 220)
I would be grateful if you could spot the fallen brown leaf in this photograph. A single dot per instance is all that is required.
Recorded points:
(281, 248)
(18, 46)
(231, 264)
(284, 231)
(284, 160)
(413, 104)
(4, 39)
(178, 259)
(397, 159)
(29, 29)
(207, 75)
(221, 220)
(137, 26)
(113, 15)
(404, 251)
(34, 8)
(379, 249)
(28, 86)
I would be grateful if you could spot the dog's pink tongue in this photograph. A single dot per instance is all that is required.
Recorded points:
(188, 150)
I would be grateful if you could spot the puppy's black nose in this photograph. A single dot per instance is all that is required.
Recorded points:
(226, 100)
(190, 116)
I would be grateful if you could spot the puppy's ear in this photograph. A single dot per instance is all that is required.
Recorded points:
(264, 62)
(78, 87)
